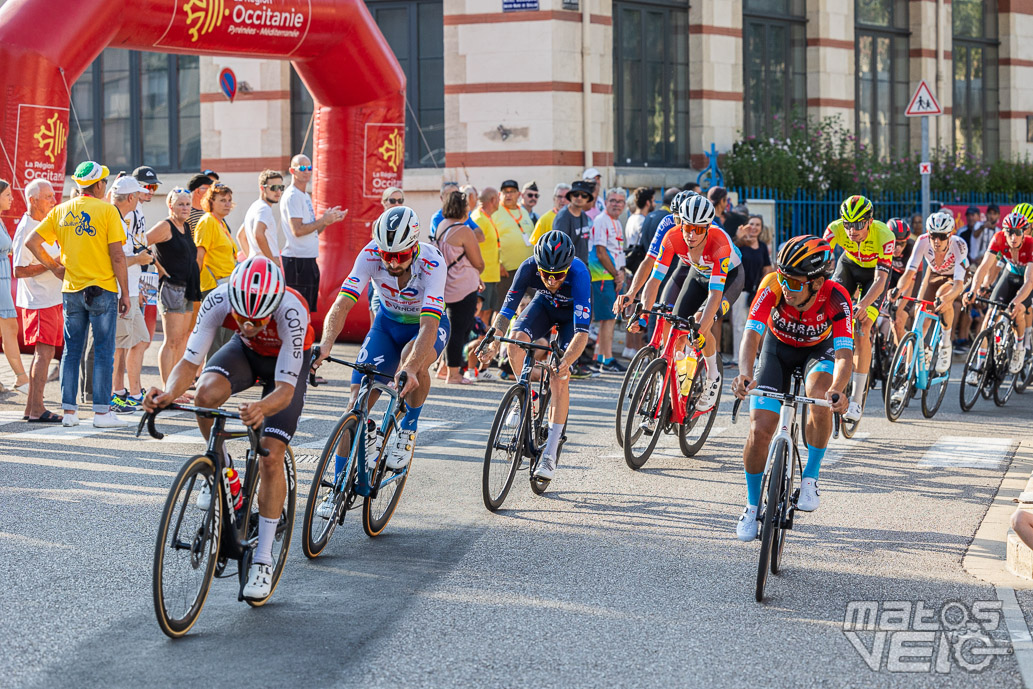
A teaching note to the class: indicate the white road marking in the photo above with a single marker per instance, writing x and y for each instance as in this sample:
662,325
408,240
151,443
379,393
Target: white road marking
1021,641
958,451
839,448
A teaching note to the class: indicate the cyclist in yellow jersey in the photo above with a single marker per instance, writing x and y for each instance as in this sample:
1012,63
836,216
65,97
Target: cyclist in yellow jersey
864,266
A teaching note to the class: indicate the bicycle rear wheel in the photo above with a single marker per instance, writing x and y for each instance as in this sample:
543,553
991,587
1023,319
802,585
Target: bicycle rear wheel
771,512
932,396
977,368
650,409
284,527
1004,382
1025,377
504,451
635,370
187,548
316,531
693,433
900,381
377,511
848,428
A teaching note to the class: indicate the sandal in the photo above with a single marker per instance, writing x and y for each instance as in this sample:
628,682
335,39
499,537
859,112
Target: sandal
46,417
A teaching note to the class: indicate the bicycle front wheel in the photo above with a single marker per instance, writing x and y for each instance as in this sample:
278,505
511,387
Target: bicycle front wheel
772,512
650,409
1004,382
505,449
377,511
284,526
187,548
631,377
900,382
977,368
932,396
1025,377
316,531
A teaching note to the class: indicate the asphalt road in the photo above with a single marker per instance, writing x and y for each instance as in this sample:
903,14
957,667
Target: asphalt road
613,577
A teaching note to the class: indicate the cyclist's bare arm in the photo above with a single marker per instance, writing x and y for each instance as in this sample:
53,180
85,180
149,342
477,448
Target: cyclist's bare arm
574,349
982,272
905,283
841,373
1027,286
333,324
421,355
743,383
641,275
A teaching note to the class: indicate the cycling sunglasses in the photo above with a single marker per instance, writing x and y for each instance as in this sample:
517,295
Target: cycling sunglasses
275,187
1014,232
151,187
941,236
695,229
858,225
251,322
397,256
304,168
792,284
552,274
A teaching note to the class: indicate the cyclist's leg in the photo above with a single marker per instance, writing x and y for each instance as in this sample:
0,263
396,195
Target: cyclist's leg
1005,289
820,366
230,370
859,280
417,397
383,347
559,387
691,296
532,323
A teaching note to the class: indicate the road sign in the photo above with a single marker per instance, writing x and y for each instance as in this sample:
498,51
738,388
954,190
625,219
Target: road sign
925,168
923,102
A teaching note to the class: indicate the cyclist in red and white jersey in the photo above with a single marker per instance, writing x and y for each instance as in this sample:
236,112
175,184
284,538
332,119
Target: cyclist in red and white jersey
272,346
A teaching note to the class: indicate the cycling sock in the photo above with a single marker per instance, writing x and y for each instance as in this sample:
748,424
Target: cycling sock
266,535
860,381
339,464
1027,337
813,466
411,417
753,482
713,372
552,445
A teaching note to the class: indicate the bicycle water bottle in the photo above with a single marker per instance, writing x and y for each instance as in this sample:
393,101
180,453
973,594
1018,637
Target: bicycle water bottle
691,363
236,497
681,366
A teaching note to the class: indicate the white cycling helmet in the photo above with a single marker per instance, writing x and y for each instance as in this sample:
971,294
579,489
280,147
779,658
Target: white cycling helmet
697,210
256,288
940,222
397,229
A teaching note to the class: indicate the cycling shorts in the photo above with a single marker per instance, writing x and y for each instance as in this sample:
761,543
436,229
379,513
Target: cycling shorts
387,338
932,285
856,278
538,318
673,281
1008,285
242,366
777,361
696,290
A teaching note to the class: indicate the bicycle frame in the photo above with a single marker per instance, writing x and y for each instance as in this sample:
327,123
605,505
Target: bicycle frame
920,369
530,363
695,355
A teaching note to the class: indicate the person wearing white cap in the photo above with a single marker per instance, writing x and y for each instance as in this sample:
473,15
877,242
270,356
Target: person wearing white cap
595,177
131,335
95,287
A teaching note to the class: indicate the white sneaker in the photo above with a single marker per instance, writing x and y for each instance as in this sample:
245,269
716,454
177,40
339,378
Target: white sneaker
70,419
259,581
109,420
943,358
546,468
808,499
399,452
709,396
470,374
746,529
853,412
326,508
204,496
1018,356
897,397
629,353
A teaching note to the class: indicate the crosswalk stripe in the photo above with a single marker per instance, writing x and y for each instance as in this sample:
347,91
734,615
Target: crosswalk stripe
967,452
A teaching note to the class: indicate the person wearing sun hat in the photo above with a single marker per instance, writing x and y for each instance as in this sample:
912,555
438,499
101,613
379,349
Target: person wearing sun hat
95,285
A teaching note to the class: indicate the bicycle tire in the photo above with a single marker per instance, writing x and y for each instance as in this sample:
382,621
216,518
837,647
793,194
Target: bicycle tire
651,391
506,470
901,375
377,511
770,524
929,408
313,544
787,490
204,543
690,448
1004,382
641,360
849,428
1025,378
284,529
978,361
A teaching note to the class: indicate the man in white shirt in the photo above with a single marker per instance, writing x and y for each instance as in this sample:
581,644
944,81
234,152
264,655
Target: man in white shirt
261,235
148,179
38,298
301,231
606,264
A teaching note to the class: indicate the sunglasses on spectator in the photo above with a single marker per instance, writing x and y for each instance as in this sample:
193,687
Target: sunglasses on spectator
394,201
939,236
552,274
579,195
274,187
180,190
151,187
859,225
397,256
304,168
250,322
695,229
792,284
531,194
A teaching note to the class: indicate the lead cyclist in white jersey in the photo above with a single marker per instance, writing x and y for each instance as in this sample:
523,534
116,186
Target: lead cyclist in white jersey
411,326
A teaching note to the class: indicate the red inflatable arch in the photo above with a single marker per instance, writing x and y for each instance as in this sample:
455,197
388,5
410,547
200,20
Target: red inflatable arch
336,47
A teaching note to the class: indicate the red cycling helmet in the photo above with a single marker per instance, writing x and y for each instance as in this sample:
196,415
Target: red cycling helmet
256,288
1015,222
900,229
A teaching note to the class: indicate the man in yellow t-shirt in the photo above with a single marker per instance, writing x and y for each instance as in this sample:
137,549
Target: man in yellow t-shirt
95,286
559,201
515,230
489,203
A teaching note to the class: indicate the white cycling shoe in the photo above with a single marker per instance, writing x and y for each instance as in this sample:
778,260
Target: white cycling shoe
746,529
853,412
546,468
808,499
399,452
325,510
204,497
1018,357
943,358
709,396
259,581
972,378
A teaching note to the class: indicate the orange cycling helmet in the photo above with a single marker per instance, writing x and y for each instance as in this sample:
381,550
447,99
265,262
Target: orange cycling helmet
805,257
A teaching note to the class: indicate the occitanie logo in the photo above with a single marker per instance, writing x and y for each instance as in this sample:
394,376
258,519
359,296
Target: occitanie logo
51,137
203,16
393,150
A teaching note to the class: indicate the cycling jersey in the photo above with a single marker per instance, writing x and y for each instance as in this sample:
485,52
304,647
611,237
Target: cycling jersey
875,251
290,317
954,262
1016,260
831,314
423,295
900,264
719,256
658,238
575,293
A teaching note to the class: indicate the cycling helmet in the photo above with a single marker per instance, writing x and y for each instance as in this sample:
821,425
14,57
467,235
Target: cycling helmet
697,210
805,256
676,202
900,229
554,251
1015,221
397,229
940,222
256,288
855,209
1025,210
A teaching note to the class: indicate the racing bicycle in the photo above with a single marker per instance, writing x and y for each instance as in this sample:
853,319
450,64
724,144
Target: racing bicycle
986,365
636,368
911,369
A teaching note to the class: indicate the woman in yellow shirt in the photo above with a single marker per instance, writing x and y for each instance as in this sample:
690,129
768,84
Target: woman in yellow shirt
216,252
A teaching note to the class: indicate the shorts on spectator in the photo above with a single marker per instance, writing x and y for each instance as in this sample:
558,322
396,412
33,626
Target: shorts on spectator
488,295
172,299
43,326
131,330
604,294
302,275
501,290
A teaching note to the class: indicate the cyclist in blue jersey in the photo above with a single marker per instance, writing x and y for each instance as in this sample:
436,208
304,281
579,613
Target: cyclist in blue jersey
562,286
409,278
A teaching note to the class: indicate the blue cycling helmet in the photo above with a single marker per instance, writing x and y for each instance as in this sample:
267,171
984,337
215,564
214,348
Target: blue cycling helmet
554,251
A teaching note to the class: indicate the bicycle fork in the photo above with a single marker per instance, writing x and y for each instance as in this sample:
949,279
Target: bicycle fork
786,419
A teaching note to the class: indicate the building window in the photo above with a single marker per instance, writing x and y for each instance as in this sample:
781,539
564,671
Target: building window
651,76
774,64
975,107
137,109
301,116
882,80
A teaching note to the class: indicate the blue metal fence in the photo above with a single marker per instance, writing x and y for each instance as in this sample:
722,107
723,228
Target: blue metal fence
808,214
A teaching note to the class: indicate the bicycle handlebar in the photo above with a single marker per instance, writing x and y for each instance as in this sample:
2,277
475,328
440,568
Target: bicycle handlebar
491,337
783,397
206,412
993,302
365,369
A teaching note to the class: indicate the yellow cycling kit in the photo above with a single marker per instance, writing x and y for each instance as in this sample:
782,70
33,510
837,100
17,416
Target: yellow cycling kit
876,249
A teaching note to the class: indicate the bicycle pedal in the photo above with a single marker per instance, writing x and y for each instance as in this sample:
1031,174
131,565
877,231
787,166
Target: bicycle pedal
787,522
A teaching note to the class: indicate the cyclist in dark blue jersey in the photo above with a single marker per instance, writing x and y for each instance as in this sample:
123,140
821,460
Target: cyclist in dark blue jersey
562,287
